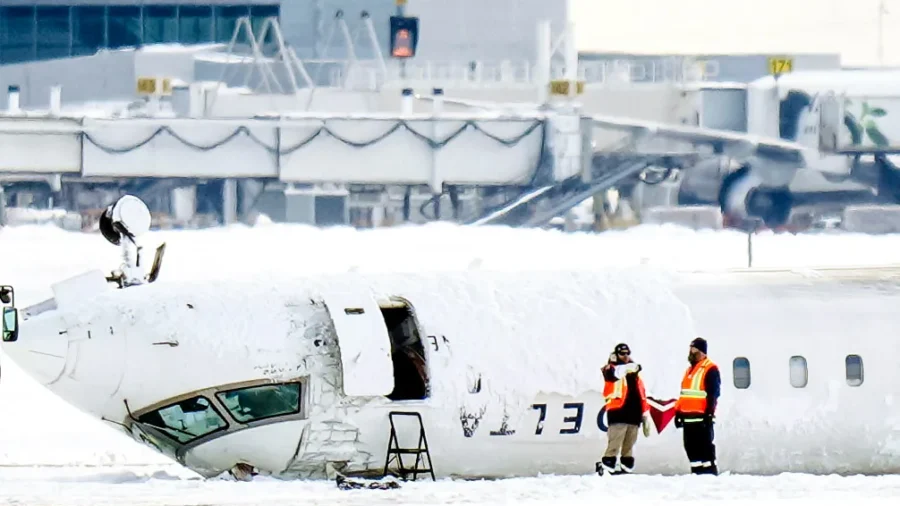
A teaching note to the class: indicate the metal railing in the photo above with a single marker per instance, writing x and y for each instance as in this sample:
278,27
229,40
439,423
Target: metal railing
371,74
376,72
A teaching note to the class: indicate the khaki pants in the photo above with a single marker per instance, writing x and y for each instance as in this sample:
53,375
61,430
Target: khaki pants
622,436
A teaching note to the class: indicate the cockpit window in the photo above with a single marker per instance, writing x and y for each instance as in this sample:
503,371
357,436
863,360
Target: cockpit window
186,420
264,401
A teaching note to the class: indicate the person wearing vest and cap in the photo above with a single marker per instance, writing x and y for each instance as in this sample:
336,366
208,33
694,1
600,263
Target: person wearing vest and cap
695,409
626,411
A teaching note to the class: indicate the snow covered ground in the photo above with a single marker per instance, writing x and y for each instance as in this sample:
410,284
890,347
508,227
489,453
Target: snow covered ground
51,453
119,487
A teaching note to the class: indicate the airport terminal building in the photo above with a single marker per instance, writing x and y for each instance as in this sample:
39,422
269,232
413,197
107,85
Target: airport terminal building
60,28
466,30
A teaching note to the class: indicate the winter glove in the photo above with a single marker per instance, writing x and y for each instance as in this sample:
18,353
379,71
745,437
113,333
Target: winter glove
679,422
622,370
645,425
709,418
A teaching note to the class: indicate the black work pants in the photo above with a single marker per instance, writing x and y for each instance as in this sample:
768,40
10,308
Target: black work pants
700,448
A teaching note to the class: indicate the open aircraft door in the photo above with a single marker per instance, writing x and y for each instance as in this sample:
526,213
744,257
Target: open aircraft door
364,342
831,123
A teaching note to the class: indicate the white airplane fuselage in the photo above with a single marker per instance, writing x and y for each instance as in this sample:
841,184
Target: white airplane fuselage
512,363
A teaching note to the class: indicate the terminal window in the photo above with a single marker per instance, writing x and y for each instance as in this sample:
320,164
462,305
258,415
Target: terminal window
30,33
195,24
160,24
52,32
123,26
88,30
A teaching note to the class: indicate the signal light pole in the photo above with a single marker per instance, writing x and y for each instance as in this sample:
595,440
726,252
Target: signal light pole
401,12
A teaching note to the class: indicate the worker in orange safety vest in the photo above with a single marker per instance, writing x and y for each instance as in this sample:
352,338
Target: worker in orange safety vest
626,411
695,409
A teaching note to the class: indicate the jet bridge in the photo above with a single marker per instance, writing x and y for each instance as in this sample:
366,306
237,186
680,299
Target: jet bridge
626,159
440,150
536,206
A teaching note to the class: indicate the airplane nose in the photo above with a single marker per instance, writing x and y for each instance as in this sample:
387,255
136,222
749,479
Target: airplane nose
83,364
41,348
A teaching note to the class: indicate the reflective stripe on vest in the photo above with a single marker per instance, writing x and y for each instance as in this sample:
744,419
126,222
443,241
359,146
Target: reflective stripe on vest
693,396
614,393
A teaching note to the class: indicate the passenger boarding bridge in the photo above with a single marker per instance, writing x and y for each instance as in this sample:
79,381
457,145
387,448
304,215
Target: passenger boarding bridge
545,154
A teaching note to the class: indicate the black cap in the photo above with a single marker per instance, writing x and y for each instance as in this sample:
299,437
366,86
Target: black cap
622,347
699,343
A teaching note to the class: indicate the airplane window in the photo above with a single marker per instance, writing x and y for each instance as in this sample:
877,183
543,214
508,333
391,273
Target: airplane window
264,401
854,367
186,420
741,367
798,372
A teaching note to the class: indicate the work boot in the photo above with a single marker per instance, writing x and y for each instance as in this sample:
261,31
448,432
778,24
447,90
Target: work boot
705,469
606,465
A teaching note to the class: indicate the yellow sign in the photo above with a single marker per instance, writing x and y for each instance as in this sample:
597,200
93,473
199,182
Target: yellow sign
154,86
146,85
561,87
780,65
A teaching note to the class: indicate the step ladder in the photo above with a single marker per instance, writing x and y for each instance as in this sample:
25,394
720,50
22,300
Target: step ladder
395,453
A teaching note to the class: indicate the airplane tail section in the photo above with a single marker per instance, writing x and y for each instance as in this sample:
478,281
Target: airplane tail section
661,412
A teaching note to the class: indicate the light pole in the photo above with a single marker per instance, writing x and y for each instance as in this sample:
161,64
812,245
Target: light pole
882,10
401,11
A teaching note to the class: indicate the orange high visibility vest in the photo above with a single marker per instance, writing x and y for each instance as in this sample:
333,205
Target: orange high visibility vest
693,395
615,393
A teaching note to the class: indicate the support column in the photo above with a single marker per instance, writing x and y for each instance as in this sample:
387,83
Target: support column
600,210
407,202
587,149
183,204
2,207
250,191
229,201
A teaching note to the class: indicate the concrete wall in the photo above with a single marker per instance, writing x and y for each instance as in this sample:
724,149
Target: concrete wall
465,30
105,76
461,30
307,24
108,74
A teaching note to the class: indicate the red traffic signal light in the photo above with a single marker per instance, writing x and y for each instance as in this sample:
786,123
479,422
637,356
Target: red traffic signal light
404,36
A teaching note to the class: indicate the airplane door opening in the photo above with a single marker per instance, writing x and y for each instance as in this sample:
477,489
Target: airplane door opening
407,352
364,343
